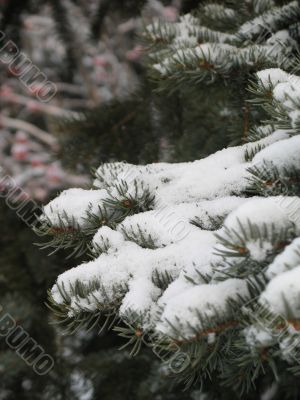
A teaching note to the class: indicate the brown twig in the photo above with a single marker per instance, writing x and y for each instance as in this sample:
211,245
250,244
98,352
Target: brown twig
246,122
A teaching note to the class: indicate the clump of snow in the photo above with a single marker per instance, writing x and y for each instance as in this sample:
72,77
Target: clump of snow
111,239
282,294
106,173
74,204
258,250
264,213
285,91
281,38
140,299
284,155
272,76
187,182
288,259
181,311
271,137
257,226
147,225
258,336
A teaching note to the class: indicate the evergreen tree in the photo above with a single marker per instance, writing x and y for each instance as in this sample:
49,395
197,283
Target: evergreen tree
199,261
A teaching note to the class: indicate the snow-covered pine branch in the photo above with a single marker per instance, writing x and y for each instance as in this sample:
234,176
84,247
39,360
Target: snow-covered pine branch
198,48
186,255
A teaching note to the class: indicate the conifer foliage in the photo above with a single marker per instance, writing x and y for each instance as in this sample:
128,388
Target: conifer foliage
200,261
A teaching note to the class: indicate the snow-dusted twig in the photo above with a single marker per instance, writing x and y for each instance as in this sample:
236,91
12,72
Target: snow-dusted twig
38,133
37,106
